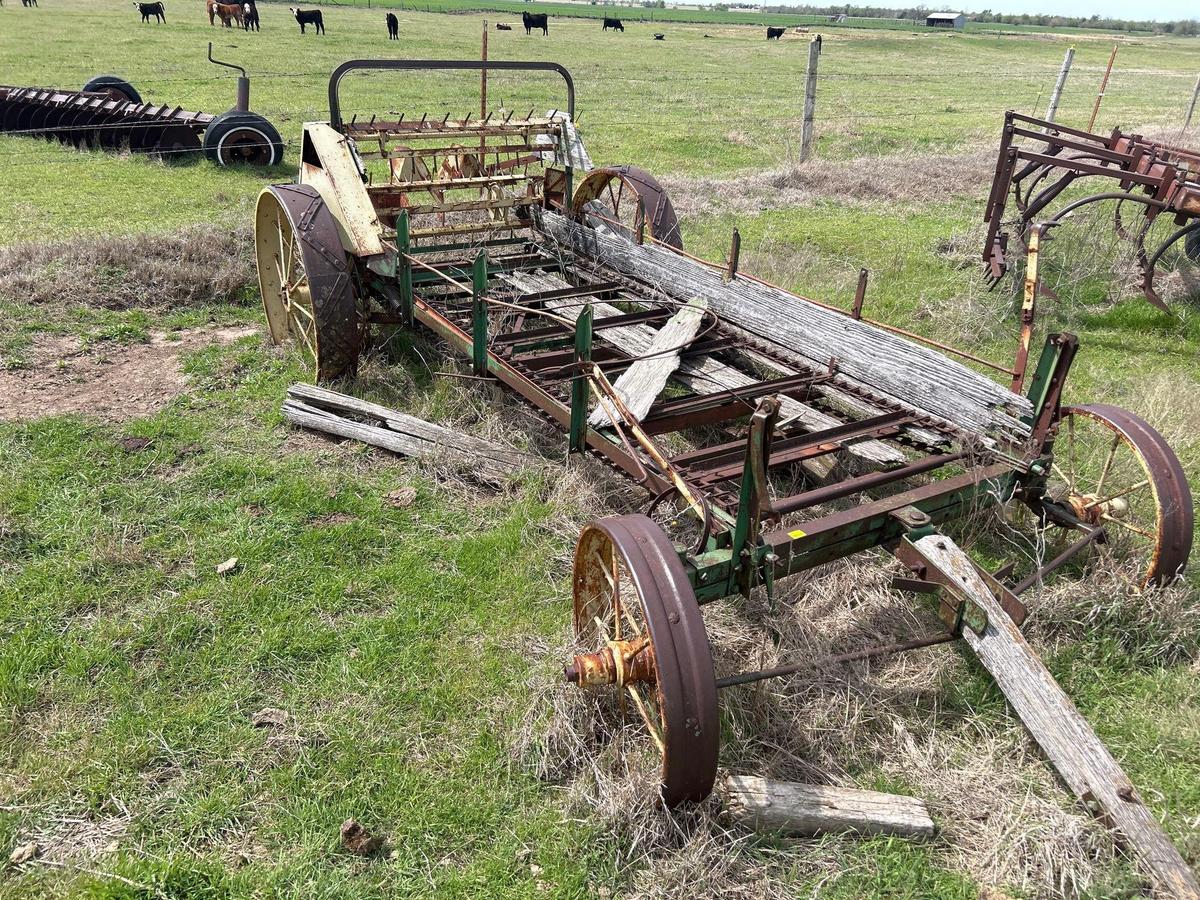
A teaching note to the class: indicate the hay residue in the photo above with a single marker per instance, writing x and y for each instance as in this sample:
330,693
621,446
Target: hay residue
191,267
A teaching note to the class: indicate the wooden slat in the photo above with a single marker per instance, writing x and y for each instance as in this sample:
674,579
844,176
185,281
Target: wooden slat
1074,749
809,809
448,184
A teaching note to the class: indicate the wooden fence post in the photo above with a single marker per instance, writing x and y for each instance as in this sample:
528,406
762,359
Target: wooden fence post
1187,123
810,98
1058,85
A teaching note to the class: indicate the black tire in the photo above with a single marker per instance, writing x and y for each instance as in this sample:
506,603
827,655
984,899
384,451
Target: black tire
242,138
1191,246
117,88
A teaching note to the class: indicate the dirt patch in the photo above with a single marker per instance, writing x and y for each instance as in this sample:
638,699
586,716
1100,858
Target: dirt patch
190,267
109,382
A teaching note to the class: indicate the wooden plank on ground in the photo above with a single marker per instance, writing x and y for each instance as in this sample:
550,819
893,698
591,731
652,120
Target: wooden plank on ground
1077,753
320,409
809,809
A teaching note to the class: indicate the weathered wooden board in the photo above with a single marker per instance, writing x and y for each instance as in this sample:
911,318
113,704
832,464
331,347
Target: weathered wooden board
640,384
809,809
909,373
324,410
1076,752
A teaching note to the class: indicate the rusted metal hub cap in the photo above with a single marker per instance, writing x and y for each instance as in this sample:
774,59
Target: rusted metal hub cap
634,603
1114,470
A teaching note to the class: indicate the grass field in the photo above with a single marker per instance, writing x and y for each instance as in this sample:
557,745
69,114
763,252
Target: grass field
408,644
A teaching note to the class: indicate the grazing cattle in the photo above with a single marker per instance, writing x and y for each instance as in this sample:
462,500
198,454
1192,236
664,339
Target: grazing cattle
393,25
250,16
29,2
613,23
227,12
308,17
536,20
152,9
500,26
659,36
774,34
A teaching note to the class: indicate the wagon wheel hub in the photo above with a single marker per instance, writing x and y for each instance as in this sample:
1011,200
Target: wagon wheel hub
619,663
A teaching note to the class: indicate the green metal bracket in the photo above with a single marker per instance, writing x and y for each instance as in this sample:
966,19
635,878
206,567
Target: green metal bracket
580,385
754,497
479,315
406,280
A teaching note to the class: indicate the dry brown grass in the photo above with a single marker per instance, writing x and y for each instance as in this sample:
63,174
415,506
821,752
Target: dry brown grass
191,267
903,179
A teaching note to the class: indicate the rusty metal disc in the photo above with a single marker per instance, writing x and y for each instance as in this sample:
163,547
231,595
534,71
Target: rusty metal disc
305,278
1112,469
609,196
629,585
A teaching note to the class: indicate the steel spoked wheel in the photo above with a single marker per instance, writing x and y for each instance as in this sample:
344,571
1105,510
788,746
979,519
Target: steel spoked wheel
633,603
305,279
621,197
1112,469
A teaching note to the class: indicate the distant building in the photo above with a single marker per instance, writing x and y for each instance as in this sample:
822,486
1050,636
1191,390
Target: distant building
946,20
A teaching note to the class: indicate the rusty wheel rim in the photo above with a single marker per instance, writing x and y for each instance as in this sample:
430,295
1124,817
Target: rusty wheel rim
609,197
1112,469
632,598
307,292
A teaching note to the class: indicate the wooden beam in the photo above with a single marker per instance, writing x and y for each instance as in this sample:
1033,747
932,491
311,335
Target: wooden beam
809,809
323,410
640,384
1074,749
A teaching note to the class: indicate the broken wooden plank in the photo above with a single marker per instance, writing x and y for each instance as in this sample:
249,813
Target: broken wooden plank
324,410
640,384
901,370
1074,749
706,375
810,809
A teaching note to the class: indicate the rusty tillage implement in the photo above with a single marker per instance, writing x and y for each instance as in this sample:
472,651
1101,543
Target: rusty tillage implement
773,434
1040,161
108,113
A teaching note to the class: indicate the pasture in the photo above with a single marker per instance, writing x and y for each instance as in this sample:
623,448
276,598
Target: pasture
412,638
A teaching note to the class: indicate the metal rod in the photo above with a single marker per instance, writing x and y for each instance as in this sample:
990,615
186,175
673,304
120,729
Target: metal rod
1187,122
860,294
814,664
1058,561
1103,87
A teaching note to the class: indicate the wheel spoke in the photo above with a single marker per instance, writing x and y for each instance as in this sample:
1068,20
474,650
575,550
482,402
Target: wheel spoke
1147,535
1145,482
1112,452
651,725
1071,450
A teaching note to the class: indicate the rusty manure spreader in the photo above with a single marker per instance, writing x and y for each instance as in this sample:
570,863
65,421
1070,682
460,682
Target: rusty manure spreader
771,433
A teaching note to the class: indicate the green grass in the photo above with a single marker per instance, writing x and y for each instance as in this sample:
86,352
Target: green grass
129,670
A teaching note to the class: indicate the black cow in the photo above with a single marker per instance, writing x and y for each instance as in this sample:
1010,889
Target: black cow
250,16
536,20
500,26
308,17
29,2
774,34
393,25
659,36
613,23
152,9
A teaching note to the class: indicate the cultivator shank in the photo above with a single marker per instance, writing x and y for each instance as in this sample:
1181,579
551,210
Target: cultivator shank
1039,161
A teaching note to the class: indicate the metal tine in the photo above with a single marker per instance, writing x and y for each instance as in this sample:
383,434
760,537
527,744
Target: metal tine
445,119
508,118
354,118
424,116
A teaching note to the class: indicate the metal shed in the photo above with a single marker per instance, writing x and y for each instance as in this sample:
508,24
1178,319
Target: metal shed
946,20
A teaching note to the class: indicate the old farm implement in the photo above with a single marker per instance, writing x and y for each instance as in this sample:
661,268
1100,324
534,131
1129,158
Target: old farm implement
1039,163
771,433
108,113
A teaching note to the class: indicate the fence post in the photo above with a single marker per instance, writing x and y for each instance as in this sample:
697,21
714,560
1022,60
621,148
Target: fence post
1058,85
810,98
1187,123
